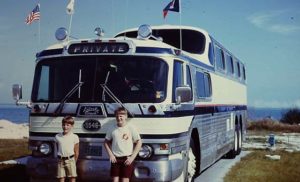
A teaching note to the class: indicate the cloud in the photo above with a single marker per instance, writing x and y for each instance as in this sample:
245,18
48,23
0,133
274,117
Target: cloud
275,21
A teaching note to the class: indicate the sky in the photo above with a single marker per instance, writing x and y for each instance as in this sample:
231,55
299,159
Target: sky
265,35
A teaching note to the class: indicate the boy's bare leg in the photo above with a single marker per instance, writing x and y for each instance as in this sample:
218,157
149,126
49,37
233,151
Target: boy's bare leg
61,179
125,179
115,179
72,179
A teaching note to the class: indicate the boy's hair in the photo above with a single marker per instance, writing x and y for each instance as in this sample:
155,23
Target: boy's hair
121,110
68,119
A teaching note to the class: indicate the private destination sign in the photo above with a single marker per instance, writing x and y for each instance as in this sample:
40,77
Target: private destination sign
99,47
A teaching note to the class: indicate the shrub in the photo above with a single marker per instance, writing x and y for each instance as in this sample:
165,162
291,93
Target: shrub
270,125
292,116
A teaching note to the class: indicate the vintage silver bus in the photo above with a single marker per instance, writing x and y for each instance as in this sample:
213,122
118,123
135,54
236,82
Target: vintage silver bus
184,91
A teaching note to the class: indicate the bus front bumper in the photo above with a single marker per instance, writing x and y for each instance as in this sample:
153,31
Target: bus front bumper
99,170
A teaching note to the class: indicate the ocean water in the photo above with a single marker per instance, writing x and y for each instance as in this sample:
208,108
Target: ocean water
13,113
261,113
20,114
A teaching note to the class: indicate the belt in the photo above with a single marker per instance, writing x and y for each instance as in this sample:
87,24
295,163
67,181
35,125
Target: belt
65,158
123,157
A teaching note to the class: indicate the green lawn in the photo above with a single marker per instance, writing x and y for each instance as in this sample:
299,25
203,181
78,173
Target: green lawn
255,167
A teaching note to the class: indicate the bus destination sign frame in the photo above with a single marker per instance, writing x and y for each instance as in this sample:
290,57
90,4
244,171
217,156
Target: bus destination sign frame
98,47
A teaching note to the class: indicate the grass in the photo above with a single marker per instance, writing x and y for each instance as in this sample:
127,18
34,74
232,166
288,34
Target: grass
12,149
256,167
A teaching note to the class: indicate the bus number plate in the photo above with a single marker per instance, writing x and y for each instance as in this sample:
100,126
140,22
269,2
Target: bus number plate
93,150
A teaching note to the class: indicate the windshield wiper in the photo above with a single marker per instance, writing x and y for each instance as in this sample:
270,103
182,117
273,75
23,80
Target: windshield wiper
64,100
114,97
110,93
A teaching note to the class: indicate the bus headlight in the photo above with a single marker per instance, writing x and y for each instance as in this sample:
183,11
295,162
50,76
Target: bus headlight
144,32
145,152
61,34
45,148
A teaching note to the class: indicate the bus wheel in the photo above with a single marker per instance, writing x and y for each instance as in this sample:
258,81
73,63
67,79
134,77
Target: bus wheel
191,166
239,146
232,153
191,163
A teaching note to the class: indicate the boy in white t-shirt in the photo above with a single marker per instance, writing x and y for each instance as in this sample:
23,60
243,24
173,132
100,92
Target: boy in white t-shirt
122,143
68,151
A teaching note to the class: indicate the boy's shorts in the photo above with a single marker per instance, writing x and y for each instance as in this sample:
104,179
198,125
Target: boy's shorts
66,168
120,169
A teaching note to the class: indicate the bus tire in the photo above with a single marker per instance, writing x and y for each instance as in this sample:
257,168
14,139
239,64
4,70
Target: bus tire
239,147
192,168
232,153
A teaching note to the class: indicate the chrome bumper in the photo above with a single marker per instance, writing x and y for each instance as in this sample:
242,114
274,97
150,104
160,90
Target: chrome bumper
99,170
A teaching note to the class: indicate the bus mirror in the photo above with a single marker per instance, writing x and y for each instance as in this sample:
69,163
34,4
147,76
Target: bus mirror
183,94
17,91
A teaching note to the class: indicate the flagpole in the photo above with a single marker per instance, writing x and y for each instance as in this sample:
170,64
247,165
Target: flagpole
180,24
126,14
39,27
113,16
70,11
70,26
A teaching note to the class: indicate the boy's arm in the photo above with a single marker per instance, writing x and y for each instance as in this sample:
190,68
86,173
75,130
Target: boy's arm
76,151
107,145
137,148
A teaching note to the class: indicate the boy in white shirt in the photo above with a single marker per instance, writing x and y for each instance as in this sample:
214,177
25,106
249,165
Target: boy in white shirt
68,151
122,143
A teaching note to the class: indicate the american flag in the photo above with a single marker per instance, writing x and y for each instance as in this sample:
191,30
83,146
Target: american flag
172,6
33,15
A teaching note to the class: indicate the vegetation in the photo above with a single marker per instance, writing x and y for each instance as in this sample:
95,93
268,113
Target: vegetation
12,149
256,167
271,125
292,116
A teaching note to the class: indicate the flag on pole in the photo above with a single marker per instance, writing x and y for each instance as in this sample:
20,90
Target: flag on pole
33,15
70,7
172,6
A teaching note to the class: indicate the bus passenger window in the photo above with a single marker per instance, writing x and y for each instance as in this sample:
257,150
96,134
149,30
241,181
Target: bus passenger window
244,73
203,85
229,64
220,60
238,69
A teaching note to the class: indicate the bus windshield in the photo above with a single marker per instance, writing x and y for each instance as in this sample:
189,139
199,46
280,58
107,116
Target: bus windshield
132,79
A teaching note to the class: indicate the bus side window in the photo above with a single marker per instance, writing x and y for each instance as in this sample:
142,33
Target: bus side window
188,78
238,69
244,73
220,60
229,64
211,54
177,77
203,85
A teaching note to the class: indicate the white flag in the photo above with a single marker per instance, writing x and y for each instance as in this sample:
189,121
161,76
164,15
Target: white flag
70,7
